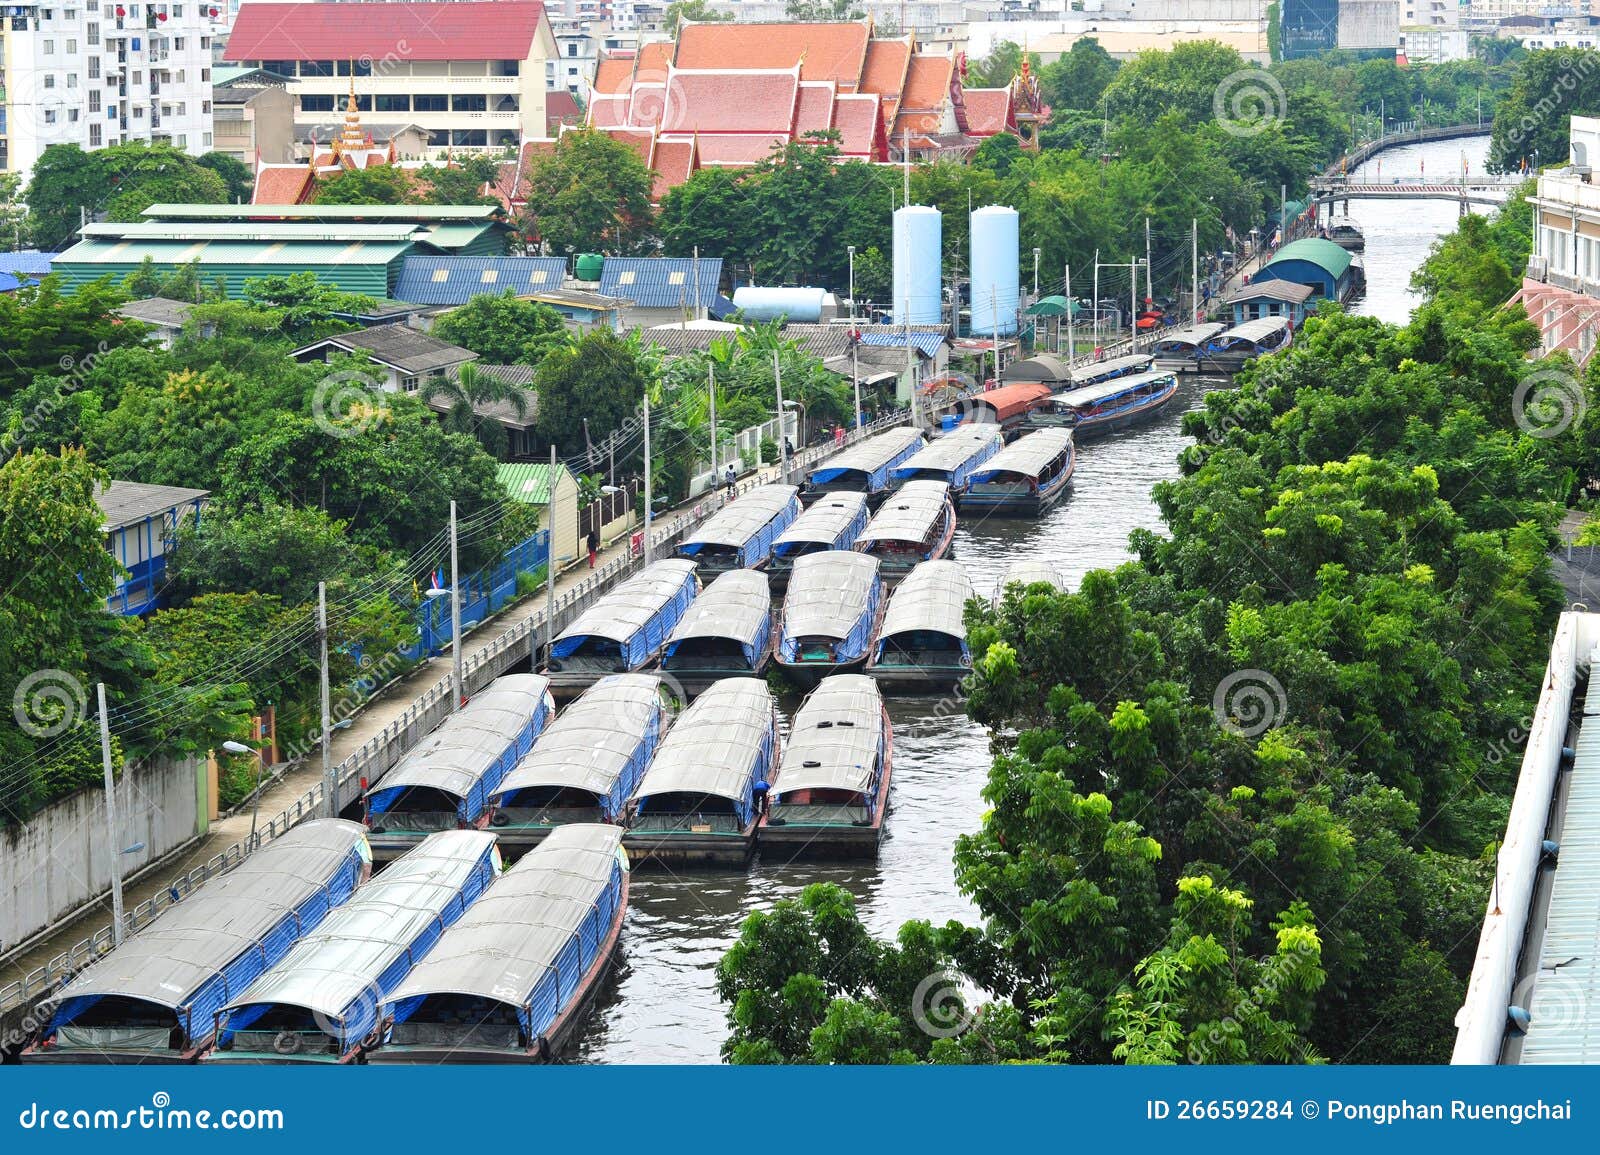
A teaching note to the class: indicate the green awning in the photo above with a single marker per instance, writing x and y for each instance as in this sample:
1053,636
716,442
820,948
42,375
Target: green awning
1052,307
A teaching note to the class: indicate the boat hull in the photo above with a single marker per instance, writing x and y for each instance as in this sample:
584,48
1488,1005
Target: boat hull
517,840
914,680
808,674
567,685
650,849
1100,426
791,841
87,1058
1016,504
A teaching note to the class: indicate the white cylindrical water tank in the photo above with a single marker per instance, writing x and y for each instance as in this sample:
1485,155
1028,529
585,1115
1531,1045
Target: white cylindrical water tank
996,287
798,304
918,235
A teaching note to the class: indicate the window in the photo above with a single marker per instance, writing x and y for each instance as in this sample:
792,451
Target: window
72,47
49,48
675,278
312,102
205,107
49,80
49,116
94,136
625,277
94,68
91,34
138,78
430,102
383,103
205,73
177,11
94,100
72,80
205,140
469,102
177,44
572,49
138,112
440,276
205,42
490,276
182,141
409,384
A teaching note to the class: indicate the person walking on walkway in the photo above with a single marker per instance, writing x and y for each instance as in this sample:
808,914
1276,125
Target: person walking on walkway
594,545
730,479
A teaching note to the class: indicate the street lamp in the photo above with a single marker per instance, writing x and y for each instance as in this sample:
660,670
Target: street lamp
261,765
1036,275
851,249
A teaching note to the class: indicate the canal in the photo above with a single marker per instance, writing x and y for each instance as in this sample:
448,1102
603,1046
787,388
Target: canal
661,1006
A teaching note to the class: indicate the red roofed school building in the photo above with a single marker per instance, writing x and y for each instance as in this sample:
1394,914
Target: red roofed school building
728,94
469,74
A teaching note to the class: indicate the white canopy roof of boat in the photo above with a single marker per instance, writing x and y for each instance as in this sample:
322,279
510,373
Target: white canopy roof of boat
933,597
590,742
909,513
873,453
1196,335
951,449
193,940
1255,330
826,519
733,606
735,524
626,610
1028,454
470,741
828,593
834,740
1089,394
1030,571
333,966
1114,365
506,941
714,743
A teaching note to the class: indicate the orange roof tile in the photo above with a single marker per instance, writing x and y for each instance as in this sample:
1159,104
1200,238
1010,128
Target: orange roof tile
608,111
613,75
649,102
814,111
859,126
641,140
709,102
675,162
887,61
282,184
835,52
927,83
654,60
738,148
988,110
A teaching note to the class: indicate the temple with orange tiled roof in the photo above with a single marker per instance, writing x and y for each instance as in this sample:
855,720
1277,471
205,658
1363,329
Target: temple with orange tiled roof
730,94
353,148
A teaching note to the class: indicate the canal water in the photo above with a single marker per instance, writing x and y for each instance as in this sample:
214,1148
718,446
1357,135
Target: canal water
661,1006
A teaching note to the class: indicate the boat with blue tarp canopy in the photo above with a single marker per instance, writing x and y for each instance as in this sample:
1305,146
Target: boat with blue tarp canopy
155,998
1229,351
697,803
741,533
446,781
831,793
586,764
923,642
511,981
864,467
624,630
1110,405
726,633
1109,370
833,521
951,457
1181,350
917,525
320,1003
830,615
1025,478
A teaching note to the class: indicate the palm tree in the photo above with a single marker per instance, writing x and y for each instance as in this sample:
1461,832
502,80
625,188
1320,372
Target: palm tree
470,391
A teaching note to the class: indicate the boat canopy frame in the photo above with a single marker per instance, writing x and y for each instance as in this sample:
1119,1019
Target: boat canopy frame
737,605
1027,456
718,747
638,615
748,525
832,595
933,598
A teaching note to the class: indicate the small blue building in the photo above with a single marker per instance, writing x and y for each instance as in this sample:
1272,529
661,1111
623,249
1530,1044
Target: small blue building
1312,261
1272,299
141,527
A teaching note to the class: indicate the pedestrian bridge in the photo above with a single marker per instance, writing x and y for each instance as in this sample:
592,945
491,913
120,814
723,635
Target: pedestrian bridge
1479,190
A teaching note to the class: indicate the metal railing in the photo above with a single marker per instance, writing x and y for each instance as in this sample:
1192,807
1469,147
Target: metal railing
385,748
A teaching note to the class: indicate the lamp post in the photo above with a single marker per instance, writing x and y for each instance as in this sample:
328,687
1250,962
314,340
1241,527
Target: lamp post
261,765
1036,274
851,249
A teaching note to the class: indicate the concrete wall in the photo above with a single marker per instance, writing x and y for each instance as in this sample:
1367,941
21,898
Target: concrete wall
61,858
1369,24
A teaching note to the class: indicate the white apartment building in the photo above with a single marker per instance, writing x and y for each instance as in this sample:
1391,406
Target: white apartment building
1561,288
470,73
103,73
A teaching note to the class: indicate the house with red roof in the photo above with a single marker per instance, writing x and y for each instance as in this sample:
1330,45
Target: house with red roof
730,94
469,73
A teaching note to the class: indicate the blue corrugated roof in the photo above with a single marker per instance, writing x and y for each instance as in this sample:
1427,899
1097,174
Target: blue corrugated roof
24,268
456,280
926,343
662,282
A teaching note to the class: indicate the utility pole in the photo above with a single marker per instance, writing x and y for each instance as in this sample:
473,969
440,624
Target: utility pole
1149,294
697,279
1194,270
711,386
550,568
1071,351
115,845
855,374
994,319
611,458
1036,275
1133,304
330,786
455,614
648,553
1094,306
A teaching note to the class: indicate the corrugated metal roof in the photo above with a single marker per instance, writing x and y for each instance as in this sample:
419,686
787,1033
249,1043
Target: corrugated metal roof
1326,255
835,739
735,605
255,213
503,30
529,482
925,343
591,741
933,597
736,524
426,280
908,515
297,253
1090,394
825,520
662,282
263,231
1028,454
624,611
715,744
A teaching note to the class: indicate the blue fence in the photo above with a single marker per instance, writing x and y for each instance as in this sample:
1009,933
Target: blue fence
482,593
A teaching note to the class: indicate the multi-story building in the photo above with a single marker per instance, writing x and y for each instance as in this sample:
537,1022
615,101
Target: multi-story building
97,74
469,72
1561,290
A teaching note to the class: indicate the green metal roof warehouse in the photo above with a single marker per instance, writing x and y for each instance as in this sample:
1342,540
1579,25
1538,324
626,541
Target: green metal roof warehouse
357,248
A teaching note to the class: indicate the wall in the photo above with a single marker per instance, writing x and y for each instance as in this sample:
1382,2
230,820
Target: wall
61,858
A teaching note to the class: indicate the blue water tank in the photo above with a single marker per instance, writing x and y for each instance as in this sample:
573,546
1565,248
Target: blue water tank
918,237
801,305
996,284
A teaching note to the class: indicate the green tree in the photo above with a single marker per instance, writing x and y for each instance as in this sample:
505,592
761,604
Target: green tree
1184,81
1079,77
599,377
49,332
1000,67
823,11
589,194
278,550
470,390
237,177
502,329
13,213
380,184
696,10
